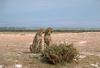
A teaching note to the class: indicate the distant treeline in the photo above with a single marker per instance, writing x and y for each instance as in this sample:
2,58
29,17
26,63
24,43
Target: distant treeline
24,29
17,29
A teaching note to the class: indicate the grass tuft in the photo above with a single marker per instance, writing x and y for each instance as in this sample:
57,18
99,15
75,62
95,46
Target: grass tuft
60,53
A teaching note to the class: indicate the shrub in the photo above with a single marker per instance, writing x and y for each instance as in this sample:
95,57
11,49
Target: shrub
60,53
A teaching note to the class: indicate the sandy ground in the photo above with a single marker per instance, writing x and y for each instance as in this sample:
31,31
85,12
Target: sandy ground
14,44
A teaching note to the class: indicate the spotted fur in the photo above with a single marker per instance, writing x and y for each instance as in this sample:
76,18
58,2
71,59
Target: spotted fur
36,46
47,36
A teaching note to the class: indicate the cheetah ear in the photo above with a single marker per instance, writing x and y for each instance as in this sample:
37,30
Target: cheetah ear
42,30
52,30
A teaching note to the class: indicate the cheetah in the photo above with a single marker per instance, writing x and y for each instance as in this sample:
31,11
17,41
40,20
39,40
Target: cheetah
36,46
47,36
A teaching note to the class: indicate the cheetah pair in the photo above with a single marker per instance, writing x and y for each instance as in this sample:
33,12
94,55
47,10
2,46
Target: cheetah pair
37,46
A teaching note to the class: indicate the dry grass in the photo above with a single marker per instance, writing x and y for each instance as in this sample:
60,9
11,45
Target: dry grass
60,53
11,43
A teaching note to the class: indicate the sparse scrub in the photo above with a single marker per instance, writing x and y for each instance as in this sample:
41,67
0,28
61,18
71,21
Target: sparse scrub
60,53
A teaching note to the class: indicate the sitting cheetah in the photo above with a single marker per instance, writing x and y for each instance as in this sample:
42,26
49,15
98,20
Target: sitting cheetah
36,46
47,36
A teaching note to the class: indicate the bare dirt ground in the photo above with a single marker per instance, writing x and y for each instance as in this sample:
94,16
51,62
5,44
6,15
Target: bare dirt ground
14,49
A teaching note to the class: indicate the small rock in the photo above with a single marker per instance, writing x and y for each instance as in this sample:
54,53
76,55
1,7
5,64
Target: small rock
95,65
1,66
18,66
81,57
35,55
83,42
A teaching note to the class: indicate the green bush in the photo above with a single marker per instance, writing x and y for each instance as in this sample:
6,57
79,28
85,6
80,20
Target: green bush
60,53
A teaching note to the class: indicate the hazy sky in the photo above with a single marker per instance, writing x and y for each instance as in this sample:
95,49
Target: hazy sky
56,13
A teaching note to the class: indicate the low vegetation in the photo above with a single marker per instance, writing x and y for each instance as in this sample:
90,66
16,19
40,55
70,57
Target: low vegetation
60,53
25,29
